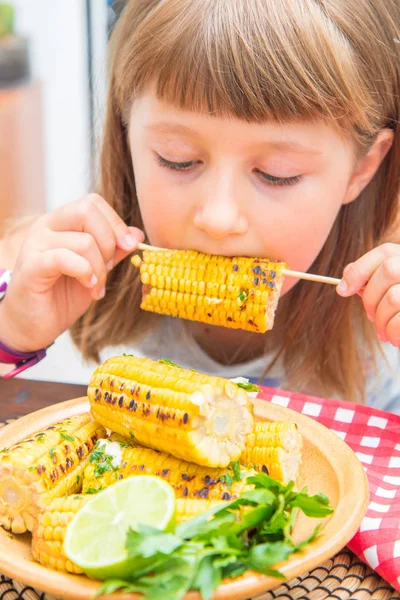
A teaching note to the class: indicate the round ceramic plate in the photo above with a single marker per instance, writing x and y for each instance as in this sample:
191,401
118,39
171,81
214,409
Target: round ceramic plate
329,466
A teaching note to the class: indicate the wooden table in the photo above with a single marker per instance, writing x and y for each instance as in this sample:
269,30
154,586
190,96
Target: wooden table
19,397
343,577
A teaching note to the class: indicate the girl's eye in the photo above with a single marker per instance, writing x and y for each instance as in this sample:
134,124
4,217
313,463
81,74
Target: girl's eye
175,166
278,181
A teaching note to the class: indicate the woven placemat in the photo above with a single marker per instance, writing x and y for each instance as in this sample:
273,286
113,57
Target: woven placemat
343,577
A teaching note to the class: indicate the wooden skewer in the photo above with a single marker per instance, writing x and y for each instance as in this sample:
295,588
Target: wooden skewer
311,277
286,272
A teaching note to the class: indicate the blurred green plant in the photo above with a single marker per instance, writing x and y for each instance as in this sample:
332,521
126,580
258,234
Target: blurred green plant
6,19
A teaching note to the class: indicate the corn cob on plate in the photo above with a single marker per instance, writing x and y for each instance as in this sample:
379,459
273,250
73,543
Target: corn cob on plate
46,465
274,448
188,479
328,464
194,417
236,292
51,525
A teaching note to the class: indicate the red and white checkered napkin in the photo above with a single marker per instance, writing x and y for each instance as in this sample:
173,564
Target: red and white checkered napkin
374,435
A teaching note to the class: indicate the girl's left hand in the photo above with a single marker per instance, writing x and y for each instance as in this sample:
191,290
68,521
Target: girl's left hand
378,272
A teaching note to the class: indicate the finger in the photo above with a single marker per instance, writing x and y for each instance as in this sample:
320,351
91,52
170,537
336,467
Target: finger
121,254
85,245
127,237
80,215
345,270
360,271
385,276
49,266
393,330
85,216
388,307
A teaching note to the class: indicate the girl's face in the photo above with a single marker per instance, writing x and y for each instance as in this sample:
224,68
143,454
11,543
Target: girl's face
225,186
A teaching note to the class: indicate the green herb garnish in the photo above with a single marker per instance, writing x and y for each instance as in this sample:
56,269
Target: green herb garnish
66,437
221,542
101,460
228,479
51,452
236,470
248,386
102,467
40,438
97,453
165,361
32,468
243,297
124,444
93,490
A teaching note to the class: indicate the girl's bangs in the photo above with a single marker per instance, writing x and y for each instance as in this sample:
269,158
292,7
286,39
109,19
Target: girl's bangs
255,62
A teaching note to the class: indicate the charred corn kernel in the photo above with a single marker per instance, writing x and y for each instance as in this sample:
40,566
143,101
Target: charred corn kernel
186,508
192,416
187,479
253,283
275,449
47,465
49,532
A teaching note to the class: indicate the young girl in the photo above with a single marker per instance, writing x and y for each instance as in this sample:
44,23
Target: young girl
249,128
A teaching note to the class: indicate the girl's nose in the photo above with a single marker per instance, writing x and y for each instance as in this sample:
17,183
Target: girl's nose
220,214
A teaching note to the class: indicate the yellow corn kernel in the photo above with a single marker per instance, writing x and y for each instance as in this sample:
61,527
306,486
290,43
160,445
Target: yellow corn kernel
238,283
179,411
188,479
47,465
49,532
274,448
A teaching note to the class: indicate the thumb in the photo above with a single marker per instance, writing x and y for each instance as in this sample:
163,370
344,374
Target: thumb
135,237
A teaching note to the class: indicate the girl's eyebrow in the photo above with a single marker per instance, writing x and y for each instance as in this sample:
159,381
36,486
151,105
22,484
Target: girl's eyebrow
165,128
278,145
293,147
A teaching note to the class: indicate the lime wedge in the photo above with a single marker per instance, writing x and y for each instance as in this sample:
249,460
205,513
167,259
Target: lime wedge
95,538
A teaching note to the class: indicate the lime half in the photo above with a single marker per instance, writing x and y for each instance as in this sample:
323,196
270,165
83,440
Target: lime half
95,538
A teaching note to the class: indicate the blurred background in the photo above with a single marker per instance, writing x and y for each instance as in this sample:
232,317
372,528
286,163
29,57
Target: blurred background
52,96
52,86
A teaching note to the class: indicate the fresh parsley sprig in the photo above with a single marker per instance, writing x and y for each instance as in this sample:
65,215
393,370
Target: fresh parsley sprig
101,460
251,532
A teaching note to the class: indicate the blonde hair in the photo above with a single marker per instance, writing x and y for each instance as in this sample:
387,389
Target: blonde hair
335,60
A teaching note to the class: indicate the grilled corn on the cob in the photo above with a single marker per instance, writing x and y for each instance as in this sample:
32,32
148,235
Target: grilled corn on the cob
194,417
47,465
52,522
49,532
186,508
275,448
187,479
236,292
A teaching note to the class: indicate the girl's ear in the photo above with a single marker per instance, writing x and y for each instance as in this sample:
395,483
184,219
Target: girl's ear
366,167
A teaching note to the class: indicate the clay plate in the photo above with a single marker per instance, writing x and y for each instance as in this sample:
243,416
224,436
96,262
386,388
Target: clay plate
329,466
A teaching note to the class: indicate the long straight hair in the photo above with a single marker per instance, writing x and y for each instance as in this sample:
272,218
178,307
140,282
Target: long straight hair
331,60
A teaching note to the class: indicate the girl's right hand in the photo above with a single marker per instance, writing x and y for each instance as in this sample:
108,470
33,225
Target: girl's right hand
61,268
